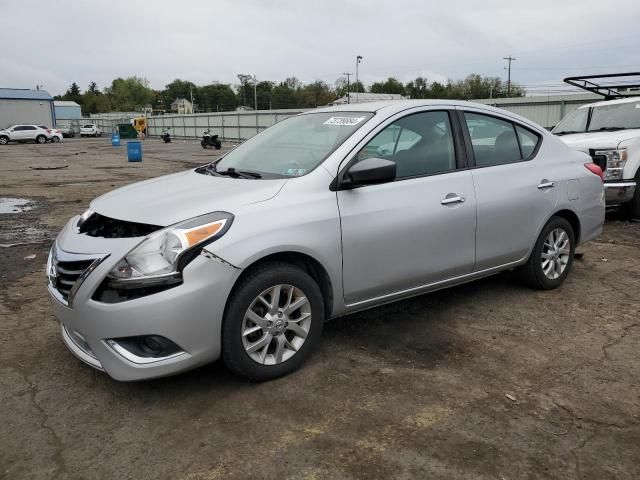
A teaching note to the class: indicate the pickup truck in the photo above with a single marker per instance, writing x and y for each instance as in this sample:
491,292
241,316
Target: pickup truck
90,130
609,131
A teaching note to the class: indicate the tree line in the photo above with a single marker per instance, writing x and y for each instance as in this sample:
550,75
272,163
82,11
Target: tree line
135,94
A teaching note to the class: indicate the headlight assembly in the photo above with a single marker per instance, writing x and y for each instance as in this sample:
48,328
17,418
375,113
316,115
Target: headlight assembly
616,160
160,258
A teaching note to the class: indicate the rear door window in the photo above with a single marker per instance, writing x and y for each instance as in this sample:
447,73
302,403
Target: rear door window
496,141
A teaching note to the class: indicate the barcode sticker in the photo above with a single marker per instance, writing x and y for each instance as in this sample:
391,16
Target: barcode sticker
344,121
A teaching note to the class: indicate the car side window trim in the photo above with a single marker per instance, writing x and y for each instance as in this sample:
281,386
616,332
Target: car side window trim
469,145
457,142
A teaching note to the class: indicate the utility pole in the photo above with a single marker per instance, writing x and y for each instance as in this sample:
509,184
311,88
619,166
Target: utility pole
244,78
358,60
509,59
191,93
348,74
255,92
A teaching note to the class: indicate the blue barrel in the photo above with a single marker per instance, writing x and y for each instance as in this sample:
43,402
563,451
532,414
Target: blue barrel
134,151
115,139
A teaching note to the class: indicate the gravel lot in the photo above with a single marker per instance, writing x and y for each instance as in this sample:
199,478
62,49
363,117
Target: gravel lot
489,380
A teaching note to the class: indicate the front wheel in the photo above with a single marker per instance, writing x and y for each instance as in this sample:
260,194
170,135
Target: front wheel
203,143
55,140
4,140
272,323
552,256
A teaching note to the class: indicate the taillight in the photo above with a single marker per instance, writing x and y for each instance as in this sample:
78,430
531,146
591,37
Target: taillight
595,169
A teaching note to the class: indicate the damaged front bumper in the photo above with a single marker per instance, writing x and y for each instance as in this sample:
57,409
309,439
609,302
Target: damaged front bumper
185,320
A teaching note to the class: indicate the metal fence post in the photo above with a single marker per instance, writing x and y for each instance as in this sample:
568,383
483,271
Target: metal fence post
222,123
238,126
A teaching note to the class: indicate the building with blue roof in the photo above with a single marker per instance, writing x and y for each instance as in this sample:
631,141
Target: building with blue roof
22,105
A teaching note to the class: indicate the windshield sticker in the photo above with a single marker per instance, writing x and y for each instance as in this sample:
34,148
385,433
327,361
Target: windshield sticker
344,121
295,172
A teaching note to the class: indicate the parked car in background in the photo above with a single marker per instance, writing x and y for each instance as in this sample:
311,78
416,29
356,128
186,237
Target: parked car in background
90,130
66,130
609,131
56,135
246,257
25,133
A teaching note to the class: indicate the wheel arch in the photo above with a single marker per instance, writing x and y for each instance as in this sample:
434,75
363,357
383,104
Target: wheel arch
573,219
303,261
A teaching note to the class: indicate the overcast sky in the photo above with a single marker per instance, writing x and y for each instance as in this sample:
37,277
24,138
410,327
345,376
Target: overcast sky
56,43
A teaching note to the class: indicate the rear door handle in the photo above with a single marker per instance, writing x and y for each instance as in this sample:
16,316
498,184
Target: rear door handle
452,199
546,184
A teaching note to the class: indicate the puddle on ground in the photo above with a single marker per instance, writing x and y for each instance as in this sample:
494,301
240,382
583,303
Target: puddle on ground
15,205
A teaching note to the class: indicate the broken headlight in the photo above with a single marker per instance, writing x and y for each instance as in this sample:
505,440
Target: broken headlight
160,258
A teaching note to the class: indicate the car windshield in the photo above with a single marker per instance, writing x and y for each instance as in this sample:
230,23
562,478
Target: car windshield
616,116
295,146
575,122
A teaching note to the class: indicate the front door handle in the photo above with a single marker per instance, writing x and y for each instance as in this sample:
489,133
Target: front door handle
452,198
546,184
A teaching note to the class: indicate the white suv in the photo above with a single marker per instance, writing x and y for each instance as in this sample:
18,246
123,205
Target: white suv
25,133
90,130
609,131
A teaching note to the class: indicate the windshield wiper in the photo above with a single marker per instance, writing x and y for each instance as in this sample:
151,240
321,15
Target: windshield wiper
610,129
567,132
232,172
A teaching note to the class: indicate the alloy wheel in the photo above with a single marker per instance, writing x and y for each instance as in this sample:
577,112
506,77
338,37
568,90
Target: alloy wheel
276,324
555,253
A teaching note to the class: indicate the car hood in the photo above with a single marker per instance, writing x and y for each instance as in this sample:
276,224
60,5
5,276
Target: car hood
598,140
170,199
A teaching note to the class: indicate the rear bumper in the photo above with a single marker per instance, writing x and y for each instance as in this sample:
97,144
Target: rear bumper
617,193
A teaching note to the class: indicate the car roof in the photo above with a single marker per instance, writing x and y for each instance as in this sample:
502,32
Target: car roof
617,101
391,107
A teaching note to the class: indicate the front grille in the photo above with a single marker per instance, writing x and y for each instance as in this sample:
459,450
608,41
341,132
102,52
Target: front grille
67,274
68,270
600,160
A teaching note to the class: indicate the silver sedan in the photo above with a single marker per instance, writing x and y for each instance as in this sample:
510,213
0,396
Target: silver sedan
323,214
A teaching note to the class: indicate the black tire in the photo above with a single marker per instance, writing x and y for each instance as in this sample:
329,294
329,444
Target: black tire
4,140
41,139
218,145
55,140
203,143
244,293
532,272
632,208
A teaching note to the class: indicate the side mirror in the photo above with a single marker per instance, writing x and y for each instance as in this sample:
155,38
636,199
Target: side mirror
369,172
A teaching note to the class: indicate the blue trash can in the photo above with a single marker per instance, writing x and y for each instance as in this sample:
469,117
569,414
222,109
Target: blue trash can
115,140
134,151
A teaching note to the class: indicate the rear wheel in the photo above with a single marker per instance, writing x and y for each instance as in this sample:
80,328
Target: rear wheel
41,139
272,323
552,256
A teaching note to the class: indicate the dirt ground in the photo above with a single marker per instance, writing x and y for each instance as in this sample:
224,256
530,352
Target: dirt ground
489,380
